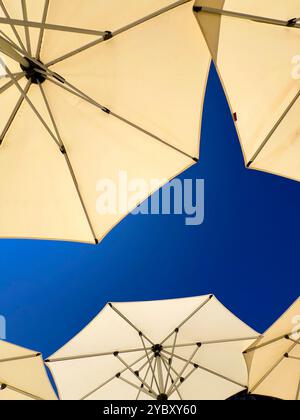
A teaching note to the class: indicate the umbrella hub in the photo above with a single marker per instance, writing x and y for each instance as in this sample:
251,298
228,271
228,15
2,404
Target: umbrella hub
157,349
162,397
32,73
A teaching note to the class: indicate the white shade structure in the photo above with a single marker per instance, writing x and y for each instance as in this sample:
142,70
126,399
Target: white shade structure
113,86
255,46
274,360
182,349
23,375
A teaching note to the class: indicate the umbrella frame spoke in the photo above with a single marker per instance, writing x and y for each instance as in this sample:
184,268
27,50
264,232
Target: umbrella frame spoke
187,364
145,384
113,377
188,318
78,93
36,112
166,362
42,30
141,388
208,370
11,83
282,358
17,35
14,114
259,19
109,35
171,360
48,26
146,375
27,33
70,167
274,129
275,340
129,322
150,364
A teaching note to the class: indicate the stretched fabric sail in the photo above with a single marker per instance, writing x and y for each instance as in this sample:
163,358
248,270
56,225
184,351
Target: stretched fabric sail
255,46
115,87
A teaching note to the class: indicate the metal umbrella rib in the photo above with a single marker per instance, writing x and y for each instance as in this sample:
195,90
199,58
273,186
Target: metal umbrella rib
17,35
120,31
260,19
42,30
75,91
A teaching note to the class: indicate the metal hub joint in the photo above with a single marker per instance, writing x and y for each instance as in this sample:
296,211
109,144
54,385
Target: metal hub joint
31,72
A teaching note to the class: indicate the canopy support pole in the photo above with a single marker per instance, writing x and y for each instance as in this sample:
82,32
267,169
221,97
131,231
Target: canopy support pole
259,19
165,363
150,364
171,360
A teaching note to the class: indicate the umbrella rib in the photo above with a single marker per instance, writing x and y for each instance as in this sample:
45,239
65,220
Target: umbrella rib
189,318
171,360
187,364
129,322
209,371
8,48
108,35
73,90
26,394
298,392
134,373
145,348
294,358
112,378
27,33
14,114
274,129
42,31
260,19
146,375
91,356
271,370
70,167
206,343
32,107
12,26
136,386
14,359
164,360
286,336
49,26
183,380
11,83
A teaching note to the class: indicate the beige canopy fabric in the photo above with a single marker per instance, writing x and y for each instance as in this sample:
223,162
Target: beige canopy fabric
274,360
23,375
255,46
124,90
182,349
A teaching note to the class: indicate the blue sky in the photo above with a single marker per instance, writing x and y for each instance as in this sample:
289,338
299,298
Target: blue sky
246,252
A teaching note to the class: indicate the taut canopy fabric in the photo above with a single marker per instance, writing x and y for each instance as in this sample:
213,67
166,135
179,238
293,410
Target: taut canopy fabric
255,46
274,360
23,375
184,349
124,90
